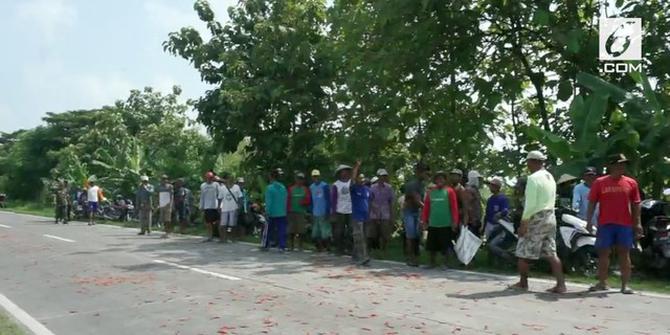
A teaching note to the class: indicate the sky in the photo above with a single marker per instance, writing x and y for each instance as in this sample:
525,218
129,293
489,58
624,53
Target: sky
60,55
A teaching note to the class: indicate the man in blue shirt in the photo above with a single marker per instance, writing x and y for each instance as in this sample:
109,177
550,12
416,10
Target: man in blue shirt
580,194
360,197
497,206
321,229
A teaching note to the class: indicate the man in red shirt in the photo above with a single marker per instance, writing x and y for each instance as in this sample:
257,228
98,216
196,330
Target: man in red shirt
619,220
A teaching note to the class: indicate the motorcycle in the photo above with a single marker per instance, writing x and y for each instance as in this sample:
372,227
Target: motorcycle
501,243
575,244
656,227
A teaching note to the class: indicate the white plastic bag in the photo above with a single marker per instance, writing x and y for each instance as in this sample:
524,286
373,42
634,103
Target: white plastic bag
467,245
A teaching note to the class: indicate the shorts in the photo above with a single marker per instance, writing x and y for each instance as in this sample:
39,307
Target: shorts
211,215
165,214
540,240
229,218
92,207
410,221
440,239
321,228
183,213
296,223
376,229
612,234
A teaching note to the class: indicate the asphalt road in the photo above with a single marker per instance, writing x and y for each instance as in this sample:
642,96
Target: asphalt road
76,279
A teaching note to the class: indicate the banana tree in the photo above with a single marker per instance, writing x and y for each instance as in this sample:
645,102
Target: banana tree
607,119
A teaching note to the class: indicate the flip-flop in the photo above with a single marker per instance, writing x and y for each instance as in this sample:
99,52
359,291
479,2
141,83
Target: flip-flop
598,288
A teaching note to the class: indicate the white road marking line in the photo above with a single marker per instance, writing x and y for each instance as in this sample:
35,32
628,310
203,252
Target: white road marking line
23,317
3,226
209,273
59,238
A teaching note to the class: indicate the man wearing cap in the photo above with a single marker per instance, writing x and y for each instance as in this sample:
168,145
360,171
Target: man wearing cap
382,199
537,231
321,229
619,221
210,194
497,206
276,200
229,205
580,194
474,202
143,201
165,203
341,208
299,199
414,190
183,199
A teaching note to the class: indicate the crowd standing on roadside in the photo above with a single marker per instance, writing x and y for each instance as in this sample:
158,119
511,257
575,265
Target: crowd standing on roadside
355,215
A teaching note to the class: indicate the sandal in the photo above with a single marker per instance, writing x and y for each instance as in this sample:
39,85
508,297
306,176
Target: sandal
599,288
627,290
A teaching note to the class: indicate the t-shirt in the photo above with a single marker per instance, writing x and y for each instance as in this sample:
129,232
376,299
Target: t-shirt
299,199
342,197
412,187
228,202
320,199
275,200
360,197
440,207
615,197
381,201
209,195
540,193
92,195
165,194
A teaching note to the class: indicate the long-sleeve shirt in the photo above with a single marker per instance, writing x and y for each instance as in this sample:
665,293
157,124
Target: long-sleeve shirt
276,197
320,199
497,203
143,197
540,193
440,208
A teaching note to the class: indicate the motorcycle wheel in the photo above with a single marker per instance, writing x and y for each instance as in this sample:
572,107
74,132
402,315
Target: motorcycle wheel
586,261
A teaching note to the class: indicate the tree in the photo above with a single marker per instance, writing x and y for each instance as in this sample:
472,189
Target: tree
271,77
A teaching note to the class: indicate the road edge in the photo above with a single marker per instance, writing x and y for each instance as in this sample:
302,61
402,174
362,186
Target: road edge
22,318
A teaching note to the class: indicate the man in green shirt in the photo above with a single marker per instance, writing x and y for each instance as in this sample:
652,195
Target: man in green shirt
299,199
538,224
440,217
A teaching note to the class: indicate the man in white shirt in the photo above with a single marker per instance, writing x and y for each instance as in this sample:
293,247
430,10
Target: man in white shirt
230,195
209,204
93,197
165,203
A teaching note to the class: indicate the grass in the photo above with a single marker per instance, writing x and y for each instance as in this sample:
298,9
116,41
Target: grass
8,327
641,280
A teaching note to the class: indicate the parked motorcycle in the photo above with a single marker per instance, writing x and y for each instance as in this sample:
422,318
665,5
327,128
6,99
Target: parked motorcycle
501,243
575,245
656,227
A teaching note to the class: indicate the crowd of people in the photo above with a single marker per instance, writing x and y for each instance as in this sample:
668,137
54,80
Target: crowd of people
354,214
